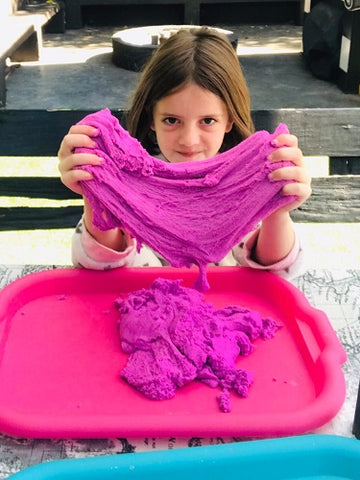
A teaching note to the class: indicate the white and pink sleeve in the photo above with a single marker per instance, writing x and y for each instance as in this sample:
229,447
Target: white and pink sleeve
288,267
88,253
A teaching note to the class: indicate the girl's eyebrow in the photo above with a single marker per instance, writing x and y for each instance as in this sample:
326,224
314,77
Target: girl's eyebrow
206,115
166,114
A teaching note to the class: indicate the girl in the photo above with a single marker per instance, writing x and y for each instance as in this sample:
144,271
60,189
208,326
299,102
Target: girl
191,103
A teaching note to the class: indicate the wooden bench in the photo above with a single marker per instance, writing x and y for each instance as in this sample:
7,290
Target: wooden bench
192,8
21,37
23,217
335,198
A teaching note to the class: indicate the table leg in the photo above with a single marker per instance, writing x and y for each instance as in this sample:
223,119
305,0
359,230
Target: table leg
356,424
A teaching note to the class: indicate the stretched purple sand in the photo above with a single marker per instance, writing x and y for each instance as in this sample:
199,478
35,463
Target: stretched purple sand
173,336
190,212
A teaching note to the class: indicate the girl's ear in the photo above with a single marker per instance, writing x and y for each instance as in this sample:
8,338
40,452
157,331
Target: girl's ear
229,126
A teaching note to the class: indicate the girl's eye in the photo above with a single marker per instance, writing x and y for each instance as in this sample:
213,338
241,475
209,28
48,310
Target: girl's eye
208,121
170,120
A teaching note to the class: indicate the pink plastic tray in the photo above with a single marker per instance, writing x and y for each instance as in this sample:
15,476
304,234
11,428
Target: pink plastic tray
60,360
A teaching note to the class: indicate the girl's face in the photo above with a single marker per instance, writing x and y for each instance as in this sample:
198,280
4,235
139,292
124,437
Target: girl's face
190,124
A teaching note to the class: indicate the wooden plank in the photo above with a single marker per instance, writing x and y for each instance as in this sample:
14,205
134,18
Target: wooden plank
74,16
27,218
36,132
321,131
334,132
344,165
334,199
191,7
35,187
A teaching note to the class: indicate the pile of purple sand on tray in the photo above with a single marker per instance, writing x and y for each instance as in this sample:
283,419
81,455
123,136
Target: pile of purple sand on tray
173,336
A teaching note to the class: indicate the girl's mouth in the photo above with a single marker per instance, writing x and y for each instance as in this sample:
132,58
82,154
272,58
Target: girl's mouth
189,154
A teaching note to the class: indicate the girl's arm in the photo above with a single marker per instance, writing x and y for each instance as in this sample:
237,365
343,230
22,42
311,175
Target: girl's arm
276,237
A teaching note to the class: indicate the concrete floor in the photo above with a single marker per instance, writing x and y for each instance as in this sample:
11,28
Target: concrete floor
76,72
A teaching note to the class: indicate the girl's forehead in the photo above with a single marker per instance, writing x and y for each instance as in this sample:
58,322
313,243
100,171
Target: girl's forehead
191,97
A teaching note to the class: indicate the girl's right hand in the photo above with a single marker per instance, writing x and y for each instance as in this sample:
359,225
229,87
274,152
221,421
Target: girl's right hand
81,136
78,136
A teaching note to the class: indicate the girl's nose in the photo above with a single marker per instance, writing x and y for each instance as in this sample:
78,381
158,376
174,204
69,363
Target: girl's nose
189,135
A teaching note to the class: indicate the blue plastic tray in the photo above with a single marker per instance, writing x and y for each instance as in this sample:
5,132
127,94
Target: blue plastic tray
315,457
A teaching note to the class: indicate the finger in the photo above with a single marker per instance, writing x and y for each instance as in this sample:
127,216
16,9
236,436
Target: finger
78,159
297,174
72,141
84,130
300,190
71,179
285,140
75,176
287,154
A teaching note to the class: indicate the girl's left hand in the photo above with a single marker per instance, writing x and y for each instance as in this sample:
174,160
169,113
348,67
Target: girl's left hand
300,184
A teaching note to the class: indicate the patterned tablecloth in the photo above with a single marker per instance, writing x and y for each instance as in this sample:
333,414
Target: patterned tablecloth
336,292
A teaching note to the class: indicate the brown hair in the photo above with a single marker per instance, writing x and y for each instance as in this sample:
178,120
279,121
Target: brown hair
205,57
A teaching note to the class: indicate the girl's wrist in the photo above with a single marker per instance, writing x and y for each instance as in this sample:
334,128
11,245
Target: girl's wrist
113,239
276,238
277,219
